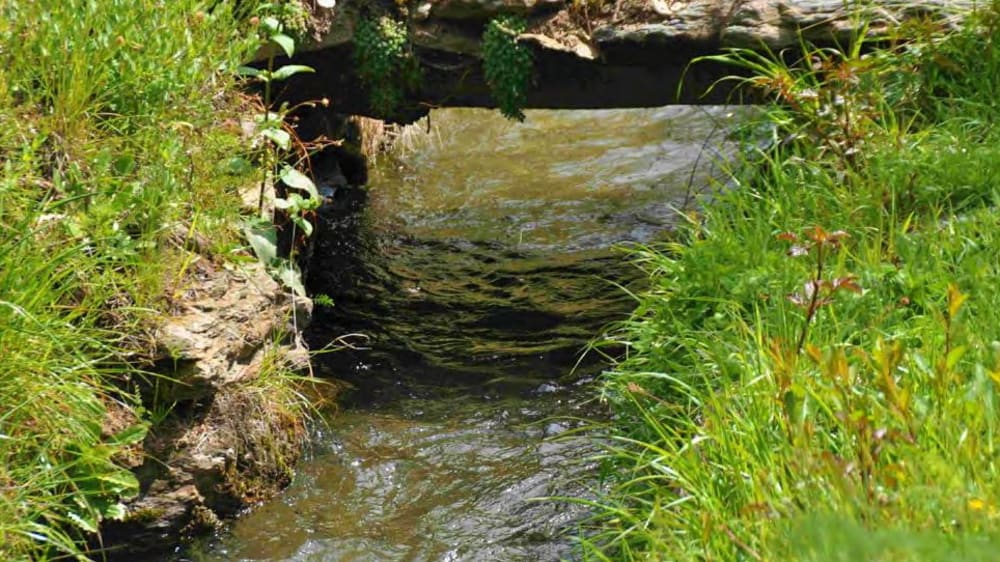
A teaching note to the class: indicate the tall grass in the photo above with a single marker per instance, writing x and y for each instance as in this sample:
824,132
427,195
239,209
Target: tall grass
814,373
118,119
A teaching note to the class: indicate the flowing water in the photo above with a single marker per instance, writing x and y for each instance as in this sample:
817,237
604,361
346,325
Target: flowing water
482,263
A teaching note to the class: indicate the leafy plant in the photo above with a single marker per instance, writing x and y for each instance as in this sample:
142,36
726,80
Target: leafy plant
817,291
291,14
271,127
507,65
385,64
829,97
323,300
277,138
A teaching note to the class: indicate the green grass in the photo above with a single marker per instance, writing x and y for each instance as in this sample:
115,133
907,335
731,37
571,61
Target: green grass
749,426
118,127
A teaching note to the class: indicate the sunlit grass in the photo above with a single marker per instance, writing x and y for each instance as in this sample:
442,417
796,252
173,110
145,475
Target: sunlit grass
755,422
118,120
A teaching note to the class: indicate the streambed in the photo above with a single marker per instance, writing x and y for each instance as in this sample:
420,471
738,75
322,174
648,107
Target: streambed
481,265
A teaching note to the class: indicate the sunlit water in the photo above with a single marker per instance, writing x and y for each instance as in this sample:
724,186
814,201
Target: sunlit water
483,264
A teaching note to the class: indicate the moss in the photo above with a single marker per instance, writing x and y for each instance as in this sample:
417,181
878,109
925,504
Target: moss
145,515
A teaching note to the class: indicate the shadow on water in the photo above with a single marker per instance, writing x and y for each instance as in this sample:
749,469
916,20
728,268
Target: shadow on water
482,263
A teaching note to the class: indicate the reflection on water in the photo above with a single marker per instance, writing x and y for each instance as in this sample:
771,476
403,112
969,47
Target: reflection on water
560,181
483,264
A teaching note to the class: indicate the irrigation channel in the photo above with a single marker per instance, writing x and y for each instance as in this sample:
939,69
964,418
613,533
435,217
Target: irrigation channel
482,263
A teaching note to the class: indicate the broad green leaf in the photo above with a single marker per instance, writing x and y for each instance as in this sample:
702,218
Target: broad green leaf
247,71
310,204
85,521
954,356
130,435
239,166
124,165
270,119
286,43
297,180
290,70
271,24
293,204
278,137
291,278
116,512
306,226
123,482
264,241
74,228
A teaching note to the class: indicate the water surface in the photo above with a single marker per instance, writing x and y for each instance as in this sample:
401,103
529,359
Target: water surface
484,262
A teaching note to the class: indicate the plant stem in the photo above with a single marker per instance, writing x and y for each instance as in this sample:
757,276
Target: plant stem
268,156
813,299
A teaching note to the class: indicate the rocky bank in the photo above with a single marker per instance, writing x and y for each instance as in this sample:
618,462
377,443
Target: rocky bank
229,439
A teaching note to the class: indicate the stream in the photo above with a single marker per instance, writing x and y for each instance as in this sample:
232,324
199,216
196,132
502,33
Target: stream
480,265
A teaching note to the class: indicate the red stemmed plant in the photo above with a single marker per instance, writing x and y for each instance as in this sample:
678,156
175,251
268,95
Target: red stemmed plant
817,292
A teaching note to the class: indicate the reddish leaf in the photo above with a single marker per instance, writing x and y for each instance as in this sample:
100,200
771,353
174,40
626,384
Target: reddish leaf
817,234
848,283
836,236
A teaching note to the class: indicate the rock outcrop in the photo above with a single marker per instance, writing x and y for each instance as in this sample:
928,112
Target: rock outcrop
229,440
595,54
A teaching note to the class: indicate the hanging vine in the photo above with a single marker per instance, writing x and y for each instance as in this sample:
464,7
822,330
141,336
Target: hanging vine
385,63
508,65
